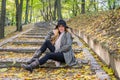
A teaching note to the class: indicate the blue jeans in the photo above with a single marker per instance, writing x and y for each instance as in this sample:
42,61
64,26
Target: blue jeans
47,44
58,56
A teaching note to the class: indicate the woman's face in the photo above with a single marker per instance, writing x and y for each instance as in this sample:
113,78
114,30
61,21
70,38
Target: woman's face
61,28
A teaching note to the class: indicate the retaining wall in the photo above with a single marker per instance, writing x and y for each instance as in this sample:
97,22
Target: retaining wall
106,56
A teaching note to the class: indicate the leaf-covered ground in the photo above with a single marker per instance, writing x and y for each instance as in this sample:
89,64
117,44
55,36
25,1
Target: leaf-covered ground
83,73
47,73
102,26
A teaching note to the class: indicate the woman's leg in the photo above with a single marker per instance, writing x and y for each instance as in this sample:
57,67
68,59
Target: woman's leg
47,44
54,56
38,53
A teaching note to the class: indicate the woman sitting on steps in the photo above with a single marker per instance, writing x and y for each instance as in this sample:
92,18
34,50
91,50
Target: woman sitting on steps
59,42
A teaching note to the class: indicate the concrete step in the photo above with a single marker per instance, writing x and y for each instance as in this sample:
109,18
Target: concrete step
39,31
42,34
44,28
17,46
35,42
32,36
28,42
16,62
19,50
28,39
28,50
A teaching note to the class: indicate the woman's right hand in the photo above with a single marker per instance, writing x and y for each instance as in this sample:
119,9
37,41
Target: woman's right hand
55,31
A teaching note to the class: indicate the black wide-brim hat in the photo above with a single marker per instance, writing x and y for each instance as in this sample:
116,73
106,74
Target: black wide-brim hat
61,22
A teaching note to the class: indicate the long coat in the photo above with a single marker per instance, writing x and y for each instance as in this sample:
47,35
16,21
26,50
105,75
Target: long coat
65,47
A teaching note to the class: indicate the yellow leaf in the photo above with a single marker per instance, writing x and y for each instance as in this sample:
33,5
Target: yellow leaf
14,62
3,69
20,75
87,67
28,78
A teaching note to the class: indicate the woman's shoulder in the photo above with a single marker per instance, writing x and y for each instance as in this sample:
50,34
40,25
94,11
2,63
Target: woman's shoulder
68,34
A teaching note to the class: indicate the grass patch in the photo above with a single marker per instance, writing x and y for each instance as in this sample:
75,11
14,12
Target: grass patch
11,31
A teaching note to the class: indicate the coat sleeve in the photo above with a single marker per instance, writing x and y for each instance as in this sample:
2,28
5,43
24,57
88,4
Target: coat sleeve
68,44
50,34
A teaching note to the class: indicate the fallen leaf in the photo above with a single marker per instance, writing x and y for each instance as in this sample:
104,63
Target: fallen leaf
3,69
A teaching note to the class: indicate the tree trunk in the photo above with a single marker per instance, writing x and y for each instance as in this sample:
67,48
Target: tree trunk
47,13
20,24
43,11
55,10
31,10
59,14
26,12
83,7
2,20
50,10
75,8
17,9
12,20
109,4
19,15
95,5
114,4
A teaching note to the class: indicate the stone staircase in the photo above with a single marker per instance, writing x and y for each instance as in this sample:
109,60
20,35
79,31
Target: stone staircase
24,44
21,47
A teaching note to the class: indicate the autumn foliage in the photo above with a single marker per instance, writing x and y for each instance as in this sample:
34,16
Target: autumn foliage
102,26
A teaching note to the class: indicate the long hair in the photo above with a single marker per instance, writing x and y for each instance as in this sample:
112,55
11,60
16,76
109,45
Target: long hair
55,37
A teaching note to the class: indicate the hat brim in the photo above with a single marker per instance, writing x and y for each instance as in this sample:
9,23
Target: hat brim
58,26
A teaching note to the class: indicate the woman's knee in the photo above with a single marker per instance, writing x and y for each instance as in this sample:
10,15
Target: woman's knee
49,55
47,41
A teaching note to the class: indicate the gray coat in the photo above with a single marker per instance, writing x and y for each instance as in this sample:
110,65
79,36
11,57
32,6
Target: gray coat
65,47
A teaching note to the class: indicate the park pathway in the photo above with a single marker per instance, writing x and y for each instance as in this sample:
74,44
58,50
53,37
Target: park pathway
20,49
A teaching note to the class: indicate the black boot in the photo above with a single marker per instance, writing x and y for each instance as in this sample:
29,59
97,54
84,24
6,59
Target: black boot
31,66
36,55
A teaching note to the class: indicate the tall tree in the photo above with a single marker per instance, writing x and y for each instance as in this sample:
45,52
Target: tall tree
2,20
19,4
112,4
50,10
83,7
26,12
44,10
55,10
59,14
31,10
92,5
75,7
95,5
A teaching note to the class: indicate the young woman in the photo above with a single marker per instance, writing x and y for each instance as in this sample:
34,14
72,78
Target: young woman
59,42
